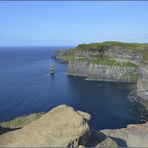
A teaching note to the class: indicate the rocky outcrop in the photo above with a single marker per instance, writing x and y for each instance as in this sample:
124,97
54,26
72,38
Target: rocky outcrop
132,136
103,72
65,127
108,61
61,127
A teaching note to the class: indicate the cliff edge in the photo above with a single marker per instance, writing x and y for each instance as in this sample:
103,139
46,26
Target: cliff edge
65,127
61,127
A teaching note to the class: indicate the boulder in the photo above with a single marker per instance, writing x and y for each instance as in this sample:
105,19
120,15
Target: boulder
61,127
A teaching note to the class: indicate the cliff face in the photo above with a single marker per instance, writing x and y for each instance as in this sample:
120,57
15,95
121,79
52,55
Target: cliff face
142,84
111,61
122,54
78,68
60,127
102,72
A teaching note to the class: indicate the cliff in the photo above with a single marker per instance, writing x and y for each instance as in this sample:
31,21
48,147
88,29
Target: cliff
65,127
109,61
61,127
124,55
118,51
142,84
103,72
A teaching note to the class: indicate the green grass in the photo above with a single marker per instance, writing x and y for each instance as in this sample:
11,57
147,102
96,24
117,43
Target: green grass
145,55
114,63
101,47
101,61
70,57
21,121
66,57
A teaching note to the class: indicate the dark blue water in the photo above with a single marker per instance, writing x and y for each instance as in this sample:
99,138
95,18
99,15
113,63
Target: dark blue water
27,87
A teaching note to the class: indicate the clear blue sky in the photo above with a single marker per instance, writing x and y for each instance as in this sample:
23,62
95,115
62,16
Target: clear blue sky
71,23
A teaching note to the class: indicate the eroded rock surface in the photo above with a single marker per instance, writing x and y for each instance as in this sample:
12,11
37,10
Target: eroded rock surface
65,127
103,72
132,136
61,127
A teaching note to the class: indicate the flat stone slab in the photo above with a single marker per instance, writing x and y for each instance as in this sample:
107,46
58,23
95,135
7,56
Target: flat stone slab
135,135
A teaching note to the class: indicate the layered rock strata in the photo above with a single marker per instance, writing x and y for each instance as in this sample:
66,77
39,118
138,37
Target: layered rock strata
103,72
142,84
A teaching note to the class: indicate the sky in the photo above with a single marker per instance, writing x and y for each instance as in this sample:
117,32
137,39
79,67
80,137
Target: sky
68,23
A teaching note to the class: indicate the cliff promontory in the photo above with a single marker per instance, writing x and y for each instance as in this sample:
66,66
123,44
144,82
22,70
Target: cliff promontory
65,127
109,61
94,71
61,127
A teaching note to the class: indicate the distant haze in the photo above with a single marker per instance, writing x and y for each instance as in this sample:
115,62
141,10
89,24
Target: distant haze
70,23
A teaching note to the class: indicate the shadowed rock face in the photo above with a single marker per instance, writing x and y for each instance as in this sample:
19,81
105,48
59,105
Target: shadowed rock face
61,127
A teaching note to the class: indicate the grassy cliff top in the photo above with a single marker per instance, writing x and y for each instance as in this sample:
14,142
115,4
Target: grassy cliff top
111,62
21,121
105,45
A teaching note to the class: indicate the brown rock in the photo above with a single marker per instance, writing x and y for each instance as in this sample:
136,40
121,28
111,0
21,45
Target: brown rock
132,136
60,127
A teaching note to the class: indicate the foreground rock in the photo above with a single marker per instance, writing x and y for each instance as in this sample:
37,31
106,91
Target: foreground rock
61,127
65,127
132,136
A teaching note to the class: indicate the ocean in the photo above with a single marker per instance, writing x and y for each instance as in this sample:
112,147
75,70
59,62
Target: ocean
27,87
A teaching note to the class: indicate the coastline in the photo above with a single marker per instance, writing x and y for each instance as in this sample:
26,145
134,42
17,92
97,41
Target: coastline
86,60
123,137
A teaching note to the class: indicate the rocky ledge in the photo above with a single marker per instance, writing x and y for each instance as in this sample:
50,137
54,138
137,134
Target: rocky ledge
61,127
132,136
65,127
